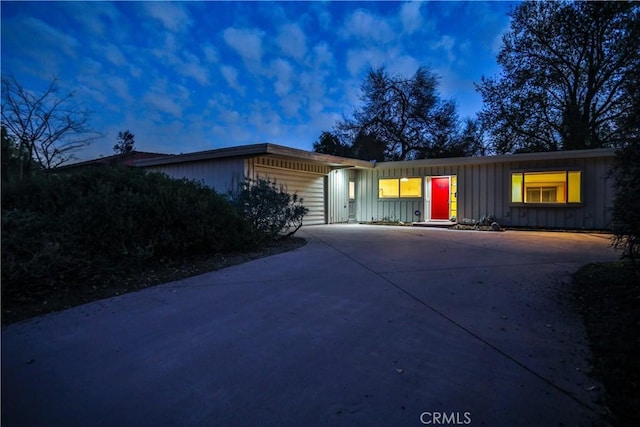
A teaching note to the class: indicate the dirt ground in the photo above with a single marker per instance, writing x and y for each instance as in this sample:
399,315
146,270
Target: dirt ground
125,277
608,296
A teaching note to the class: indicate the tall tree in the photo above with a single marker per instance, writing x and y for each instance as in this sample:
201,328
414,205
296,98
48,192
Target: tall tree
330,143
125,142
564,85
48,128
367,146
472,139
12,162
406,113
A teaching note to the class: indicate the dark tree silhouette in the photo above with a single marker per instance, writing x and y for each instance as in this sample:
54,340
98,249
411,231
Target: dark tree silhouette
47,128
125,142
569,73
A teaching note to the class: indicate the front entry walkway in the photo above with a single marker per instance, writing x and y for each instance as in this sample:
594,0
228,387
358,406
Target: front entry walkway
365,325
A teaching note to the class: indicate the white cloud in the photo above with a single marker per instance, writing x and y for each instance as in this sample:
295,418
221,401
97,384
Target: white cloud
410,16
183,61
120,87
265,121
191,67
351,96
168,50
322,55
229,116
97,18
170,99
447,44
283,72
324,121
360,59
227,135
404,65
135,71
172,16
230,74
195,71
210,53
292,41
290,105
42,36
246,42
363,25
114,55
163,104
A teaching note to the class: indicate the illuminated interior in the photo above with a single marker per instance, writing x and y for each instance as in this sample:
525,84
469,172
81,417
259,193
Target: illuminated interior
389,188
573,195
454,196
411,187
546,187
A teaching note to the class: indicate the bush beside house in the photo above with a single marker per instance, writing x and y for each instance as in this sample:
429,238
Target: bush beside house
626,204
61,230
271,213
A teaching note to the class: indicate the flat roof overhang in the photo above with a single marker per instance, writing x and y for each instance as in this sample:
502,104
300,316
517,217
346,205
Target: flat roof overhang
264,149
505,158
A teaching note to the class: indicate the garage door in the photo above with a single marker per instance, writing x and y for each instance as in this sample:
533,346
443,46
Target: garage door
309,186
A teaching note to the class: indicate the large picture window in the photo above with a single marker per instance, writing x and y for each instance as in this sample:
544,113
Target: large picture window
393,188
556,187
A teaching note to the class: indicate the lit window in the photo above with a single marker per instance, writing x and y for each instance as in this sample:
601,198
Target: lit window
390,188
352,190
573,192
453,198
411,187
557,187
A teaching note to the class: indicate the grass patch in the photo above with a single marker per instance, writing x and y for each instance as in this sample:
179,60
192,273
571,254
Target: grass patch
608,297
127,276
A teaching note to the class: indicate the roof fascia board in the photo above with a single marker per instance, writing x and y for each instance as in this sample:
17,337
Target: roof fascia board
240,151
505,158
316,157
257,150
344,162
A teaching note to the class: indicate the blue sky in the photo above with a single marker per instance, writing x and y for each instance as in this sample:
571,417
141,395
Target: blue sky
191,76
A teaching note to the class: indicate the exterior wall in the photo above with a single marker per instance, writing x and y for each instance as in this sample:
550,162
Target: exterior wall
594,213
305,179
370,207
338,196
223,175
226,174
484,188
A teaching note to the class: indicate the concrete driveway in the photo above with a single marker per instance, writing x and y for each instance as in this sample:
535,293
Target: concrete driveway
365,325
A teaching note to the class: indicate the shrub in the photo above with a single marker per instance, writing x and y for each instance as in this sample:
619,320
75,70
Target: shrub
271,212
77,222
626,202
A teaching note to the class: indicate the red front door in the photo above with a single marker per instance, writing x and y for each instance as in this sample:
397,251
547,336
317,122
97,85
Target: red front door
440,198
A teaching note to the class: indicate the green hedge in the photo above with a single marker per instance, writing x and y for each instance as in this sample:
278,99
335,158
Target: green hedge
75,222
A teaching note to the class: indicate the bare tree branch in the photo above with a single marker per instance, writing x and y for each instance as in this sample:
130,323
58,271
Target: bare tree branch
49,128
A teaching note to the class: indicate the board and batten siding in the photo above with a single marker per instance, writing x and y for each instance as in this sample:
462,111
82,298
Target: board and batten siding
338,196
223,175
594,213
371,208
307,180
485,188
